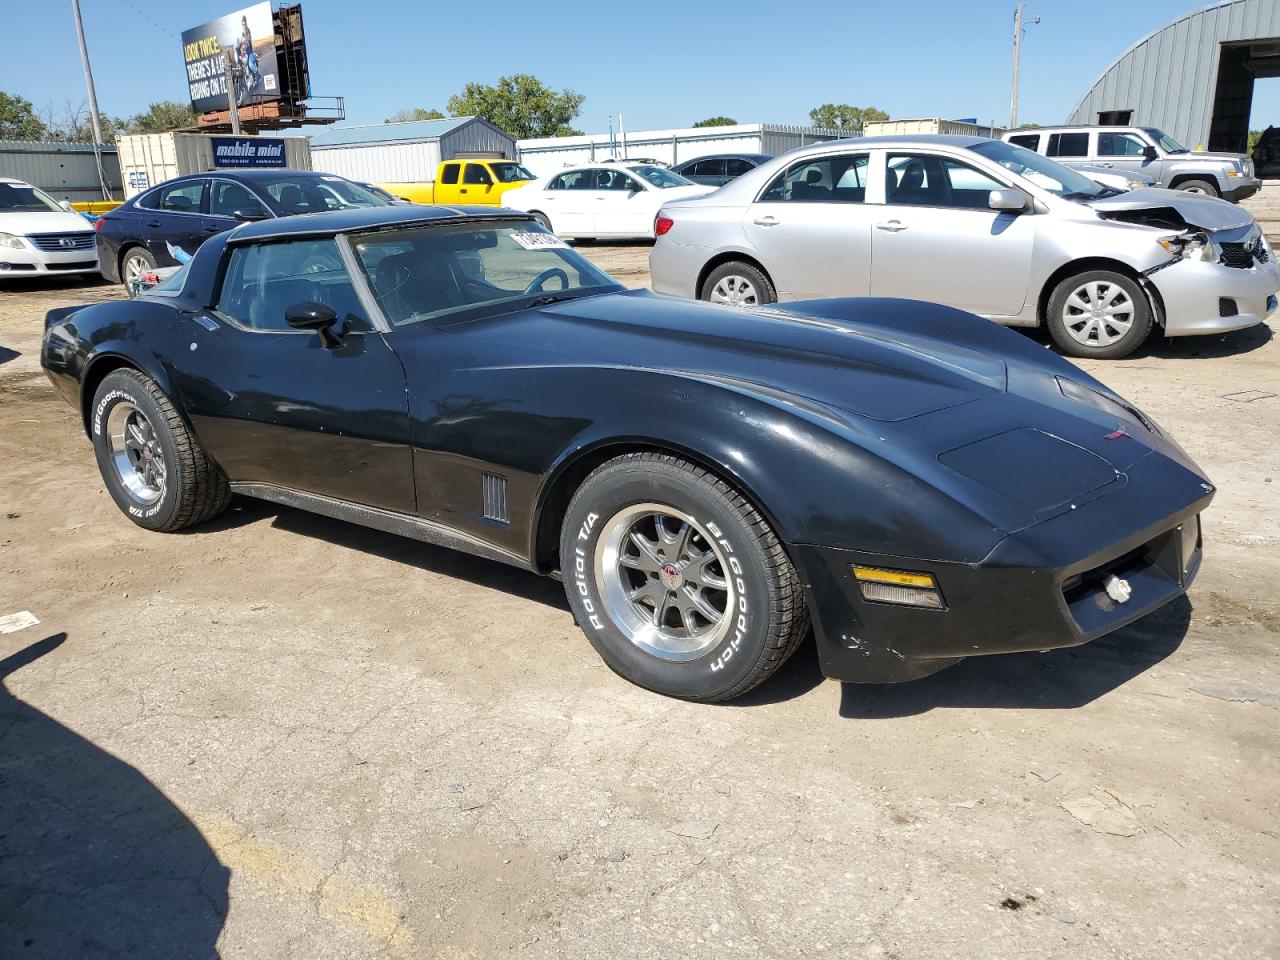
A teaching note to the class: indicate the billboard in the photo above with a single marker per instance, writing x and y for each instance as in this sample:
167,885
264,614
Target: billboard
247,152
250,36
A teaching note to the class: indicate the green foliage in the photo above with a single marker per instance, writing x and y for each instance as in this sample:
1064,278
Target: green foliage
841,116
160,118
716,122
1253,140
521,105
1028,126
417,113
18,120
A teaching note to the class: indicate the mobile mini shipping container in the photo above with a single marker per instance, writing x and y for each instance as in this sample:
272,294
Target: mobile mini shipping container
150,158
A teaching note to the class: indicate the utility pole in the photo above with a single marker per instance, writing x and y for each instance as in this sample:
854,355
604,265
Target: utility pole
93,99
1018,30
232,69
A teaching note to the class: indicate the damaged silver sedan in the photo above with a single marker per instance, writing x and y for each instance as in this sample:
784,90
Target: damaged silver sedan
978,224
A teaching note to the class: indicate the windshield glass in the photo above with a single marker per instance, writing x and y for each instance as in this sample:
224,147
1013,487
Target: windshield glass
24,198
658,177
1167,143
511,172
317,194
1044,173
468,270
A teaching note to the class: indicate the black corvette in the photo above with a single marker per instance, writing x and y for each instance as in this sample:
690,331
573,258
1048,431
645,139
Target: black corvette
920,484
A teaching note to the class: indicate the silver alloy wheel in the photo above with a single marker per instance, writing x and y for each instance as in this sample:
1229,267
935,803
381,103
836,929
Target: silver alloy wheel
735,290
1199,191
134,267
664,581
1098,313
136,453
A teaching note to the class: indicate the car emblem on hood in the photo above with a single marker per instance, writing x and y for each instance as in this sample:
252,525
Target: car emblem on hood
66,242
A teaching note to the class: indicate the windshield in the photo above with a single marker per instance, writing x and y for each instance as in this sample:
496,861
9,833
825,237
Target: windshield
1167,143
658,177
468,270
24,198
511,172
317,194
172,286
1044,173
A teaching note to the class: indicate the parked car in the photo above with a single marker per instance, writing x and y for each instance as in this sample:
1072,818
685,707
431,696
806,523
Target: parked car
183,213
602,200
377,191
978,224
921,485
469,182
718,169
39,236
1146,150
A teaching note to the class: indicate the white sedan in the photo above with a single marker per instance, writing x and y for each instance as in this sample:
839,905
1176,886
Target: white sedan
40,236
602,200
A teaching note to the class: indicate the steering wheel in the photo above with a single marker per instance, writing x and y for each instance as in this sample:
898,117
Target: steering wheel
536,283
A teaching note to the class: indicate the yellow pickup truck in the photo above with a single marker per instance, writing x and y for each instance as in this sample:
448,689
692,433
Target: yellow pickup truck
465,181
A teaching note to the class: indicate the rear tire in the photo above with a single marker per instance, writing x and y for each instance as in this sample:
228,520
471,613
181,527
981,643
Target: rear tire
1206,187
738,284
133,264
1100,314
152,466
679,583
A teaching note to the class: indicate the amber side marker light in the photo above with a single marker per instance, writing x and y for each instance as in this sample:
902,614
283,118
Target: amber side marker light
904,587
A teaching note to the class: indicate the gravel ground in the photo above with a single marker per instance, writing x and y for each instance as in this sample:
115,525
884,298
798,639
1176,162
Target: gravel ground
282,736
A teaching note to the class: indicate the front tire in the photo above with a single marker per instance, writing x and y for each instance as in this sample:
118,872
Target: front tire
1205,187
152,466
1100,314
136,262
679,583
737,284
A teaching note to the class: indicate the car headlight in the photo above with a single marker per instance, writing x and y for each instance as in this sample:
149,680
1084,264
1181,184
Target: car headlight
1191,246
9,241
1135,184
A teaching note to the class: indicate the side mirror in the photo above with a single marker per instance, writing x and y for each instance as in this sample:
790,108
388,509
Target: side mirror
250,215
1149,153
320,317
66,205
1010,200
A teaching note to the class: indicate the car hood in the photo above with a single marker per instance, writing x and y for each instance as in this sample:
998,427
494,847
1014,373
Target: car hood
1208,213
844,364
50,222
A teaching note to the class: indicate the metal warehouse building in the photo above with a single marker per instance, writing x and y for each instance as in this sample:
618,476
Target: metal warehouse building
405,152
549,154
1192,78
66,171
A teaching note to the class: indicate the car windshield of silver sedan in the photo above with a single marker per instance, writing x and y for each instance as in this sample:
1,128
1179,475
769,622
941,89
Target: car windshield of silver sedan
20,198
660,178
511,172
463,271
1044,173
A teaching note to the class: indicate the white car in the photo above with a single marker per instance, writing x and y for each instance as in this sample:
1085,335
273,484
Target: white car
602,200
39,236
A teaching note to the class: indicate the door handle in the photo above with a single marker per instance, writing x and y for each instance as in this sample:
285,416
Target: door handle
153,223
212,228
463,190
893,226
770,221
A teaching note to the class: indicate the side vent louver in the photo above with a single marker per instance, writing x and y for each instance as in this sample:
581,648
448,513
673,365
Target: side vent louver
495,498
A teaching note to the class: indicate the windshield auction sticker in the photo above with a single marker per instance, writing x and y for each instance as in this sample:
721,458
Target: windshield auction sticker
539,241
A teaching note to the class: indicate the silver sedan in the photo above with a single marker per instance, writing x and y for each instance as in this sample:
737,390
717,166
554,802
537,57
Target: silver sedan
978,224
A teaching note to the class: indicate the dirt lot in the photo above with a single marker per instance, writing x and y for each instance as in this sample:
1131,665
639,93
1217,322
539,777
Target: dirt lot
282,736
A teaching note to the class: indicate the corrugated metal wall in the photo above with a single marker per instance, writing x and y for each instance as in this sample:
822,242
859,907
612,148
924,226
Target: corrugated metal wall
409,161
66,171
1168,78
548,154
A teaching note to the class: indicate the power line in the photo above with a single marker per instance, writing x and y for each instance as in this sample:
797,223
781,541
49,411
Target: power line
132,6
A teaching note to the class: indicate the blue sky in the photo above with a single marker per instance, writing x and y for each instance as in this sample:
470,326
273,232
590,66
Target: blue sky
664,65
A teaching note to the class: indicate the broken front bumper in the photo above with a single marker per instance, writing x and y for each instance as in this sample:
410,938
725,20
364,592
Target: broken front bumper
1201,297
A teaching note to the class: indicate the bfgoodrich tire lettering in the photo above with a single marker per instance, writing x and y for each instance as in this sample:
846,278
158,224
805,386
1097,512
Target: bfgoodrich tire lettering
151,464
720,641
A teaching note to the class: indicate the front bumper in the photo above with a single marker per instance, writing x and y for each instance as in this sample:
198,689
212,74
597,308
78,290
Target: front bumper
1039,589
1241,188
30,262
1204,297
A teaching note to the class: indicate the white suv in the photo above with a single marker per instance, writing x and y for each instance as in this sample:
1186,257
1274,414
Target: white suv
39,236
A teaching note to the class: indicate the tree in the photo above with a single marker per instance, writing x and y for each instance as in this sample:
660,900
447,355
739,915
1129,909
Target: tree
1028,126
417,113
18,120
161,117
716,122
1254,136
71,123
841,116
521,105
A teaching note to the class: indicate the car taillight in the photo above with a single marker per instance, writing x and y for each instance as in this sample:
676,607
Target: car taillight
97,224
662,225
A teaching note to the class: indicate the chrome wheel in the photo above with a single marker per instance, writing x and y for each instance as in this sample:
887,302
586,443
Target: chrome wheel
664,581
135,453
1098,313
735,290
135,267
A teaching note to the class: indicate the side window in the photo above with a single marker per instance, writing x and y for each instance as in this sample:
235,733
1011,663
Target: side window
150,200
227,198
615,180
575,180
929,181
263,280
737,167
1029,140
182,197
558,183
1068,145
1119,145
475,173
838,179
450,173
709,168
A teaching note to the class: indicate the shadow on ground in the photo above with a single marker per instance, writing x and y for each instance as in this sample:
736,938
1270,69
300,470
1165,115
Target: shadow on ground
6,354
1215,345
94,860
1057,680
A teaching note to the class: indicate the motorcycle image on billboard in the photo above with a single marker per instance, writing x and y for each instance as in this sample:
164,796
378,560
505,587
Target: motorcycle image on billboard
249,36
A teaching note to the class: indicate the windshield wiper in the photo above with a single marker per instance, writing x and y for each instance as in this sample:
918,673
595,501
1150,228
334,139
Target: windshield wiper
550,298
